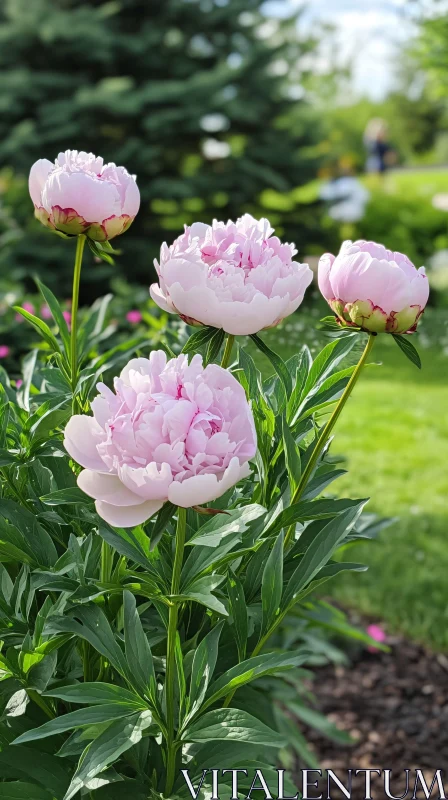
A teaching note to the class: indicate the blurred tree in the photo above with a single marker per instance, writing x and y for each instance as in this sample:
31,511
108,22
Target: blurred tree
197,97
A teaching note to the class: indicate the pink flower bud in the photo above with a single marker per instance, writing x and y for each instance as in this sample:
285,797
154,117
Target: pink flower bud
80,194
134,317
235,275
170,430
19,383
373,288
4,351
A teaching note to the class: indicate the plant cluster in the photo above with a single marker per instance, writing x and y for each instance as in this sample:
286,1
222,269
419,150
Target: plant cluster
139,595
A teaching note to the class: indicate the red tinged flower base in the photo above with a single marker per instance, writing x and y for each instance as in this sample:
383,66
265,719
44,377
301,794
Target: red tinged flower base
68,221
371,318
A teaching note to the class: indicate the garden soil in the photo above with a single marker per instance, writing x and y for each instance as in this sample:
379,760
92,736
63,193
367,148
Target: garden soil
395,705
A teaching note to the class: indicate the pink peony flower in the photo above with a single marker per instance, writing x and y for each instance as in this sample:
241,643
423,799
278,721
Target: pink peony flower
80,194
375,632
376,289
233,275
45,312
134,316
170,431
4,351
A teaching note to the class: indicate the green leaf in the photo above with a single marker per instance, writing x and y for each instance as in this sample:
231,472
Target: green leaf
251,375
133,544
201,591
93,693
238,609
198,339
20,528
92,625
218,527
80,718
203,667
320,723
137,650
28,367
231,723
251,669
272,584
292,457
278,364
41,328
331,355
62,497
319,552
25,764
110,745
308,510
405,344
23,791
56,313
214,346
161,521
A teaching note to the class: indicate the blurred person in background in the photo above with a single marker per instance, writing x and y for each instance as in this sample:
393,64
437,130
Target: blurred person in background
380,153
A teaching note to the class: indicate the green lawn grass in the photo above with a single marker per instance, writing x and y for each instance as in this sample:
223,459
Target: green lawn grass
394,434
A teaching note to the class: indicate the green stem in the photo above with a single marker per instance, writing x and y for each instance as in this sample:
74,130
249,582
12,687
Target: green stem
227,351
171,650
106,562
74,331
327,430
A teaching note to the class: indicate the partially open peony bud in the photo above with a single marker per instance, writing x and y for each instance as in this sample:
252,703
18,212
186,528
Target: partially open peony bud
233,275
373,288
80,194
170,431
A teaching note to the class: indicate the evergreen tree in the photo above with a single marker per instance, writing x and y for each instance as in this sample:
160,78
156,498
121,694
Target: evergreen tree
197,97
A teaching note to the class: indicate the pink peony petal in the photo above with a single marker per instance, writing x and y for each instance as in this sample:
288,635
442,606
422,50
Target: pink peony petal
81,436
127,516
38,175
108,488
206,488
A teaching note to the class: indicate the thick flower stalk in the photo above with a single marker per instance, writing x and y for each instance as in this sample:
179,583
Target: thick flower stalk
373,288
79,194
236,276
169,431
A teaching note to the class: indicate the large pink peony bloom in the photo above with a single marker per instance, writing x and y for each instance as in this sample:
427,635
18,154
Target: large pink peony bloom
233,275
374,288
80,194
170,431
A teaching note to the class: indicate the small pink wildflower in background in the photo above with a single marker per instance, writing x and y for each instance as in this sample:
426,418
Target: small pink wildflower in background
134,316
45,312
377,633
68,317
4,351
19,383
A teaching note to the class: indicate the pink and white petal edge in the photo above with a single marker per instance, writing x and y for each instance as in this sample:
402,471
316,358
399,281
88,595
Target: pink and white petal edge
127,516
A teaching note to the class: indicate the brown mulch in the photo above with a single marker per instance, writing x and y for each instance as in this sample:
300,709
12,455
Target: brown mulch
394,704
